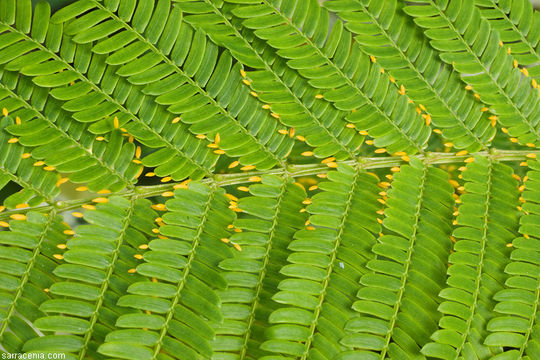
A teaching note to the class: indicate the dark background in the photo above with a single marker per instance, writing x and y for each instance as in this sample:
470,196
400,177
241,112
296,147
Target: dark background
55,4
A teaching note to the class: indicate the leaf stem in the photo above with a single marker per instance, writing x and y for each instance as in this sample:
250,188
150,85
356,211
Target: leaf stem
11,310
293,171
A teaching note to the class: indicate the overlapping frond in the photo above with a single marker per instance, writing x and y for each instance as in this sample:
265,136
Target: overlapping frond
514,326
177,64
334,65
384,31
286,93
519,26
487,221
397,303
235,261
51,138
92,276
95,94
26,265
474,48
324,267
177,303
263,231
37,184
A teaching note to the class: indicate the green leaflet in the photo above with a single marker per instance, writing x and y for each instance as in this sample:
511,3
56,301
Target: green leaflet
91,89
271,219
178,294
92,278
37,184
26,271
237,243
195,82
66,145
277,85
516,20
514,324
397,302
487,222
324,267
384,31
472,46
337,68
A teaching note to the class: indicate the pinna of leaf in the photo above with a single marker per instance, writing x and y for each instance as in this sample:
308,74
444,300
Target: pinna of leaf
270,179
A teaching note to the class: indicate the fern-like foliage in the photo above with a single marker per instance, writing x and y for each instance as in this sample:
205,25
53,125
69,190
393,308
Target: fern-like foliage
183,80
86,295
270,179
46,134
397,304
487,220
476,50
271,219
326,261
515,326
27,268
415,65
518,24
276,84
298,31
182,265
37,183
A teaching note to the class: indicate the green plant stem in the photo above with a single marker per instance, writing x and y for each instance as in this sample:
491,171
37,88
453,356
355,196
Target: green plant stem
294,171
